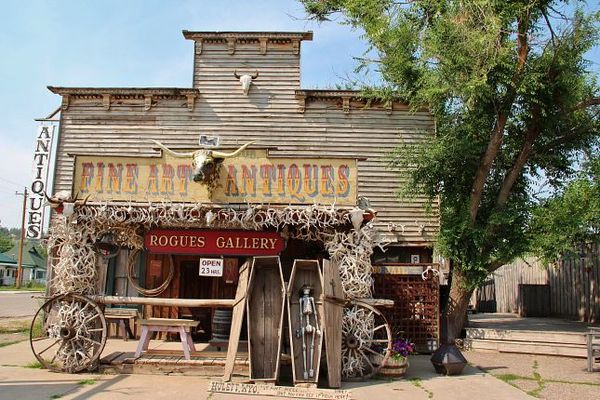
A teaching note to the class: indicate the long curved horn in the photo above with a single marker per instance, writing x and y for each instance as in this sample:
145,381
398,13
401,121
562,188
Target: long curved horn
236,74
82,202
218,154
255,74
50,200
173,153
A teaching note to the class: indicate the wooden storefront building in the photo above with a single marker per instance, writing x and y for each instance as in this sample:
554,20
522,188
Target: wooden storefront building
332,149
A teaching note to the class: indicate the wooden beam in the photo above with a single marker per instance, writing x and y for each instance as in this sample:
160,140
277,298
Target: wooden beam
263,45
236,321
147,102
332,288
346,104
152,301
106,101
191,101
64,105
231,45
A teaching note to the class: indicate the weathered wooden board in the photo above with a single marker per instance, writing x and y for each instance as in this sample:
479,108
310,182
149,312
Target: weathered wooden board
305,272
334,310
236,320
278,391
265,306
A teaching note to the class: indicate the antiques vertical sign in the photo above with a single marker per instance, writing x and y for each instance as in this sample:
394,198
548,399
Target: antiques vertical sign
41,161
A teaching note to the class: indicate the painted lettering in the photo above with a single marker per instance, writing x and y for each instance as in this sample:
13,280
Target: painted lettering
115,176
267,174
248,180
231,188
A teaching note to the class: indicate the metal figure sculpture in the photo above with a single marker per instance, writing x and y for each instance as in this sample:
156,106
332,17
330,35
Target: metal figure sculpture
308,330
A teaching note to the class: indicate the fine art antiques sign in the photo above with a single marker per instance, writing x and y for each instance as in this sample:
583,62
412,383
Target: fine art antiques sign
216,242
252,177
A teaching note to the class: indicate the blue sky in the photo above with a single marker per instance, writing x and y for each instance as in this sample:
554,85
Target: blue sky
131,43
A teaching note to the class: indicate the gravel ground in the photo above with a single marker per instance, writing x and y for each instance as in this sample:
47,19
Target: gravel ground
546,377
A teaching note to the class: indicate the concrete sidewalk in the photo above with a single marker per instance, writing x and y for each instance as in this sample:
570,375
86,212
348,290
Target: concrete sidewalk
421,382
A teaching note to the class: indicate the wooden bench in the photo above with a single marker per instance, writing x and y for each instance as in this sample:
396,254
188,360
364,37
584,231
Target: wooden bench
593,347
123,317
181,326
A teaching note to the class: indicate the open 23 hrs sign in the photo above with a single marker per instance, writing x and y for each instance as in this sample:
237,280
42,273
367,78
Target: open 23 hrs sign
211,267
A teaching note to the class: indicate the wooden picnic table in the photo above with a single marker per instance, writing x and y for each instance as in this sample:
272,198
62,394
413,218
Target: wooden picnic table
181,326
123,317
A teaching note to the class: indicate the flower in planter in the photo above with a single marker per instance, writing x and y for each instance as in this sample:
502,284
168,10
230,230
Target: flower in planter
401,349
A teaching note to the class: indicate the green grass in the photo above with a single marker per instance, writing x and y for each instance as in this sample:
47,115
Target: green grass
418,383
56,396
87,382
9,343
34,365
36,288
18,328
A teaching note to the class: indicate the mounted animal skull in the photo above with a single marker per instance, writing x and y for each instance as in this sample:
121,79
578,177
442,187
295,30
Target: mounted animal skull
245,80
62,203
204,161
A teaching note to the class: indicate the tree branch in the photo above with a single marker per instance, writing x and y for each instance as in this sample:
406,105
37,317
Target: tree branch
497,134
511,177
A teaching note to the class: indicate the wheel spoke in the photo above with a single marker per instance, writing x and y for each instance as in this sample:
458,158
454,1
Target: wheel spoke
91,340
48,348
379,327
370,350
368,361
57,352
377,340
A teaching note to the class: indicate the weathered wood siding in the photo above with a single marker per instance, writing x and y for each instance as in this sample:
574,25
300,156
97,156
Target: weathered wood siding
269,114
574,285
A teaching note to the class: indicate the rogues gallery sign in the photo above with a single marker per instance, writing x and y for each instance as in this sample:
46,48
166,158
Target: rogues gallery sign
215,242
251,177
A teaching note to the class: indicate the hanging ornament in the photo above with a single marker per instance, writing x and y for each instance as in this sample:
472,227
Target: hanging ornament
210,216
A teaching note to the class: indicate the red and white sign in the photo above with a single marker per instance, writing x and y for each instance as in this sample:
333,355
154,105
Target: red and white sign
211,267
214,242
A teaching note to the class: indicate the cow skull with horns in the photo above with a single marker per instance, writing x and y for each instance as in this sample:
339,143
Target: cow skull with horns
245,80
63,203
204,161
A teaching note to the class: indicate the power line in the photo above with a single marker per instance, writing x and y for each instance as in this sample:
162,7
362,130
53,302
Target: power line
12,182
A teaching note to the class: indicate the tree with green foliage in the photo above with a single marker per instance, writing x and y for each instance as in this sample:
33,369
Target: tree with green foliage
571,218
6,242
514,102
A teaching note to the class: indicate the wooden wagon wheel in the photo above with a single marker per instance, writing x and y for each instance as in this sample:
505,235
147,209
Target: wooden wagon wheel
68,333
366,341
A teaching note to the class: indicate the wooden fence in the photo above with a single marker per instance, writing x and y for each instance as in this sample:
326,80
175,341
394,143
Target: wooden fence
573,284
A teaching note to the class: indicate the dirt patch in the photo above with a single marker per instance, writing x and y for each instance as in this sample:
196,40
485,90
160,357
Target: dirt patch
14,330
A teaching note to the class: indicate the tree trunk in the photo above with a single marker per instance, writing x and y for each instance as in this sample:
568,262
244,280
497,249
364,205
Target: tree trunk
456,309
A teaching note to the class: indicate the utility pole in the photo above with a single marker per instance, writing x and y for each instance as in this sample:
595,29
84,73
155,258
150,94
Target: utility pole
20,262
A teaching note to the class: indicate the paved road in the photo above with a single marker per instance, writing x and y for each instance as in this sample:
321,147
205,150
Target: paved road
19,304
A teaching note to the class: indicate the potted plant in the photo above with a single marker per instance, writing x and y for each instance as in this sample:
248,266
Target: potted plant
397,363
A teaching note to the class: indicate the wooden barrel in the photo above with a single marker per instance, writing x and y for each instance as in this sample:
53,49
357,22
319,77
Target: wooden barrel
221,325
394,369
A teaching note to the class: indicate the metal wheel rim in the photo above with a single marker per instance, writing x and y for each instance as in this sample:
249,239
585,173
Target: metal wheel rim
76,346
362,351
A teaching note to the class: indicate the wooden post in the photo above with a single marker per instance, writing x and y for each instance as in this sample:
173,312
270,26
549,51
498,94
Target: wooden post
20,261
334,310
236,321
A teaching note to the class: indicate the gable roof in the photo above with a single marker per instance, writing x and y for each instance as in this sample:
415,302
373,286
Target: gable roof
6,259
31,257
